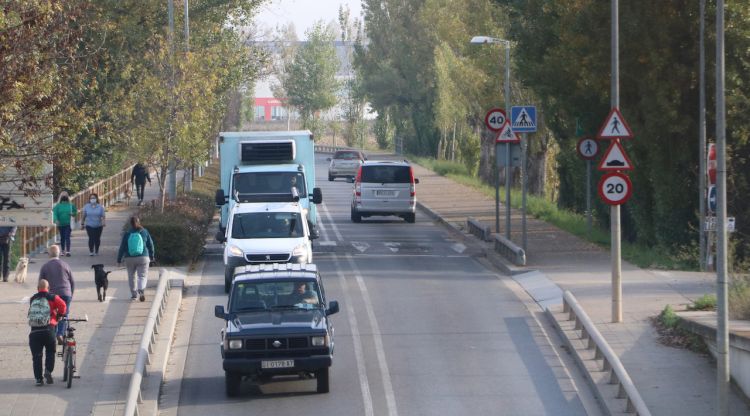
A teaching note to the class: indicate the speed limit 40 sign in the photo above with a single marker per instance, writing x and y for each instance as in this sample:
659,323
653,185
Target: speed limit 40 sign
615,188
495,119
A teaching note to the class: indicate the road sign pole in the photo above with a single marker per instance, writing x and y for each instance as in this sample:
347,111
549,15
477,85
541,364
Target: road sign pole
588,198
524,179
497,188
615,209
722,330
702,138
507,190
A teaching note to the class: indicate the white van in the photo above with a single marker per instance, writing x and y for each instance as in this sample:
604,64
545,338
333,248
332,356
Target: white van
272,232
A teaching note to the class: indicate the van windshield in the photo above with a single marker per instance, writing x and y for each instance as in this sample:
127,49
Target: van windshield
386,174
267,225
269,183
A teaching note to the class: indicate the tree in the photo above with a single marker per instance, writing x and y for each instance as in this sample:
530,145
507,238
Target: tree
310,82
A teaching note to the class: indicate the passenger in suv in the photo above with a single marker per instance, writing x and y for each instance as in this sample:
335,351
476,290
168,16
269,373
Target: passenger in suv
345,163
385,188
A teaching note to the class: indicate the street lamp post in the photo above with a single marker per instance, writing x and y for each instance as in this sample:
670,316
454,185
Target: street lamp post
483,40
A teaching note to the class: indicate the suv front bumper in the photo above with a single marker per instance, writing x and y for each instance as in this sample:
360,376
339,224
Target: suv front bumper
253,366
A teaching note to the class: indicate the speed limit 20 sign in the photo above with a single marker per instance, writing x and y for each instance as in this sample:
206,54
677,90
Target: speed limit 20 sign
615,188
495,119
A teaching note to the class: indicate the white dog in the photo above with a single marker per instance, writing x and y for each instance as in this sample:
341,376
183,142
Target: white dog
21,269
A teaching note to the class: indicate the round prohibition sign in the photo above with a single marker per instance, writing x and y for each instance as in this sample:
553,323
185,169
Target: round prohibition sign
495,119
615,188
587,148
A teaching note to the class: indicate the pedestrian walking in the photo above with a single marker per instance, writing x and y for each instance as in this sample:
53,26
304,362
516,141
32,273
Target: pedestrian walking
139,176
7,235
62,213
137,249
61,283
44,310
93,219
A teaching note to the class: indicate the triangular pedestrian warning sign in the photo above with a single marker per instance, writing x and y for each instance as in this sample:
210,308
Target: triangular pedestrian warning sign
506,135
615,158
615,127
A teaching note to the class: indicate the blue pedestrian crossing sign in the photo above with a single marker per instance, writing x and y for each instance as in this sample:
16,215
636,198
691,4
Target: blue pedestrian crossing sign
523,119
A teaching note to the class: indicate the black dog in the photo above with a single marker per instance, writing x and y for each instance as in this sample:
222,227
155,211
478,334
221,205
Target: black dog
100,278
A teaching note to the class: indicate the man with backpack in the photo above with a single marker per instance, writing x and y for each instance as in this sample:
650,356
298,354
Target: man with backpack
44,308
137,248
61,283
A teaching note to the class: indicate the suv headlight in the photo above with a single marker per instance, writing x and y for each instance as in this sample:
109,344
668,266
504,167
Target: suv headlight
235,344
319,341
235,251
300,252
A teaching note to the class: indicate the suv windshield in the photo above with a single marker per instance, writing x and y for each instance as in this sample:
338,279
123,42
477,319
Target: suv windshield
386,174
251,296
267,225
269,183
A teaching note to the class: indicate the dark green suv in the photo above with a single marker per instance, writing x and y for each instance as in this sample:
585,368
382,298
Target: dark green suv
277,324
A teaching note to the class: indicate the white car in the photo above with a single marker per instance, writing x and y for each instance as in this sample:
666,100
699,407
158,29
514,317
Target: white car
274,232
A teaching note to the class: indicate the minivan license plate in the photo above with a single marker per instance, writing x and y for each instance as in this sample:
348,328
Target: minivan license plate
277,364
385,193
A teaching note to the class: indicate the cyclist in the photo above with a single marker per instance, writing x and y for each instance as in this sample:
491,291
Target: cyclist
43,320
60,277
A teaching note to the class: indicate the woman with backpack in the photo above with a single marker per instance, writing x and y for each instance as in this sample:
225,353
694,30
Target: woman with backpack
137,248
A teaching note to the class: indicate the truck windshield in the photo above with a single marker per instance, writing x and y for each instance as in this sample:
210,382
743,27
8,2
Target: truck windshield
267,225
269,183
262,295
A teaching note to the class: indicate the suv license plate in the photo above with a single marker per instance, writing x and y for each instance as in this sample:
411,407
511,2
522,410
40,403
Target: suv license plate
385,193
277,364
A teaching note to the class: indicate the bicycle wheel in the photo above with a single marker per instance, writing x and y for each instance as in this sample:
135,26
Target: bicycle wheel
65,363
69,365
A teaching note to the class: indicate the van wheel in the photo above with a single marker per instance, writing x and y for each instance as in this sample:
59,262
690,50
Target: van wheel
232,383
411,218
228,278
356,216
321,377
330,178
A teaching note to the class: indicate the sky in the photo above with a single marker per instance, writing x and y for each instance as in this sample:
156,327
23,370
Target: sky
303,13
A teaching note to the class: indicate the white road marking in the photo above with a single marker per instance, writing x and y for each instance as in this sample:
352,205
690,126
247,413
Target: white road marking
327,243
359,355
458,248
390,397
324,208
360,246
392,246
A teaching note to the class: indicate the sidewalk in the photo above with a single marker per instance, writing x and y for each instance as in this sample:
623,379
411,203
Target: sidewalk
107,343
671,381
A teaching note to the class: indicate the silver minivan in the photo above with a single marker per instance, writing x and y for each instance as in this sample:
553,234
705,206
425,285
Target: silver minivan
384,188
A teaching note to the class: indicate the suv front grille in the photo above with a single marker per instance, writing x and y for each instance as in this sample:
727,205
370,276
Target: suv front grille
266,258
262,344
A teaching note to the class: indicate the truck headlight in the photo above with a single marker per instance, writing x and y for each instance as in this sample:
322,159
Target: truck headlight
235,251
318,341
235,344
300,252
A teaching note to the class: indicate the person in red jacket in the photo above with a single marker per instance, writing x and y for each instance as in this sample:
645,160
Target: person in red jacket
43,337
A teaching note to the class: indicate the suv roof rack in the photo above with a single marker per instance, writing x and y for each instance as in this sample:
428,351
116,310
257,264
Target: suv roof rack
276,267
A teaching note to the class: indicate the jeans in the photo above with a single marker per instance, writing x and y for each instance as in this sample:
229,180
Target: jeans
95,238
39,340
63,325
5,253
137,264
139,188
64,231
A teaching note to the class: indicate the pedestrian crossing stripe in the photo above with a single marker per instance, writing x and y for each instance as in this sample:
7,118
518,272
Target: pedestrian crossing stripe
615,158
615,127
506,135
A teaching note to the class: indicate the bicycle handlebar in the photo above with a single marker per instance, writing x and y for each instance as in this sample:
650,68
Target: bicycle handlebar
84,319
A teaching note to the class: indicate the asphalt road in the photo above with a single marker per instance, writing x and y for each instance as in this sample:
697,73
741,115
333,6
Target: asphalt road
424,329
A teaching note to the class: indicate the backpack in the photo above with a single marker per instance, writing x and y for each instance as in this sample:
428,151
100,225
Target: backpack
39,311
135,244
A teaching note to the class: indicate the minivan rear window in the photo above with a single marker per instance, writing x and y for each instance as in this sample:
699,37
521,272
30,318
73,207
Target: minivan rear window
347,155
386,174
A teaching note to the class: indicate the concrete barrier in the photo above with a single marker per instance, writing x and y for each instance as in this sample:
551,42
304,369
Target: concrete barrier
478,229
510,250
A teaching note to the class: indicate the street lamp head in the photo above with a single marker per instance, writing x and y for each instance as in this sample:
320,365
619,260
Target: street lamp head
481,39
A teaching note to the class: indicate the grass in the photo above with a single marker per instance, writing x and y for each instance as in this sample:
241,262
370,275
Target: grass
572,222
704,303
667,324
208,183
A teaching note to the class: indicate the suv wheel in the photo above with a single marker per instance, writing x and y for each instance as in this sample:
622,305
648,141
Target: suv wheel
232,382
356,216
228,279
330,178
322,378
410,218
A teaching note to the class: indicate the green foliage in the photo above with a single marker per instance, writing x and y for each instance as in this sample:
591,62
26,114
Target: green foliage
739,298
668,318
384,131
704,303
180,230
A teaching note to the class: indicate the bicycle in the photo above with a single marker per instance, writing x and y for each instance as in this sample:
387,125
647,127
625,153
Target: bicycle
68,352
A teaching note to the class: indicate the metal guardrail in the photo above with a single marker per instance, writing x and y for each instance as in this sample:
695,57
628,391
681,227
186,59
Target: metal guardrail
478,229
109,189
510,250
148,339
602,351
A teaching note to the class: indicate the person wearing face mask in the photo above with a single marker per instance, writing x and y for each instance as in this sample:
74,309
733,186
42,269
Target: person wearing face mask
93,220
